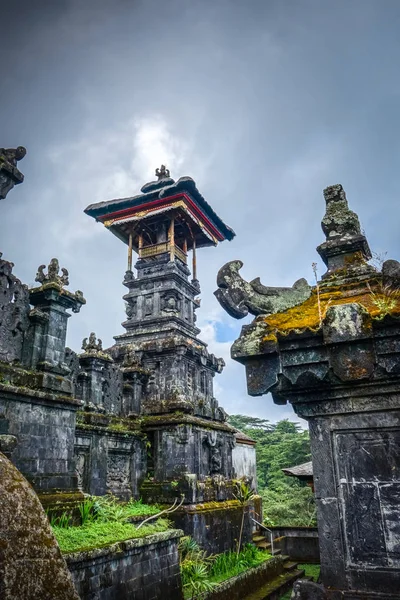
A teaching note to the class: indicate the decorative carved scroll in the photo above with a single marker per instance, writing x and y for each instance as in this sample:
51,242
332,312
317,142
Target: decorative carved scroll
14,311
238,297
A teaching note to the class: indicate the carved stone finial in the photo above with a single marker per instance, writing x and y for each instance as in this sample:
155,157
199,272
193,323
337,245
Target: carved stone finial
162,173
10,175
346,248
52,274
94,344
339,220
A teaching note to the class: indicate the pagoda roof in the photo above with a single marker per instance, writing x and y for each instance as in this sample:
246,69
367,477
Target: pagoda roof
161,196
242,438
303,471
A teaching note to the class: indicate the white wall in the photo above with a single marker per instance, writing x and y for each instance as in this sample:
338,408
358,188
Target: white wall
244,462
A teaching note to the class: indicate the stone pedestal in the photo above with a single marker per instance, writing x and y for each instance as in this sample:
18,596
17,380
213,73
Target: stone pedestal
335,357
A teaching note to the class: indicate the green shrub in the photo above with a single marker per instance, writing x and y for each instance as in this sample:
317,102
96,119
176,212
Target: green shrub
199,570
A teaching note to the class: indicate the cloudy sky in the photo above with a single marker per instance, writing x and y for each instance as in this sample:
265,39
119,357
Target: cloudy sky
263,102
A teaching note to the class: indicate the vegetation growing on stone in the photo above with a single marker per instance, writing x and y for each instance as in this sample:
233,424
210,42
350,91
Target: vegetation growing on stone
98,534
378,301
286,501
202,573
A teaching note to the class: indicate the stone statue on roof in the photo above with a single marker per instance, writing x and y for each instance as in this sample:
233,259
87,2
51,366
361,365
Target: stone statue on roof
162,173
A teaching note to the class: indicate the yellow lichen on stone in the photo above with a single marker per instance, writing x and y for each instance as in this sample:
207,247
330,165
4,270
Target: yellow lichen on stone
378,301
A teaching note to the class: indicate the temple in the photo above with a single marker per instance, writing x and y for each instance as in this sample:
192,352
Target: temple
138,419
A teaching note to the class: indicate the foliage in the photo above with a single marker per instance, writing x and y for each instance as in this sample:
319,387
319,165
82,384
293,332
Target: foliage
200,573
108,508
230,564
86,511
290,506
286,501
104,520
242,422
244,494
197,579
98,534
61,521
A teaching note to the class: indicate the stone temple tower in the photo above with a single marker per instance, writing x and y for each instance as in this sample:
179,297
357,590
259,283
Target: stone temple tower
169,370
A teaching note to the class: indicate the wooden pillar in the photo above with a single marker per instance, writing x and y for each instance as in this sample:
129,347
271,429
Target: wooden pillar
185,246
140,244
194,262
171,240
130,253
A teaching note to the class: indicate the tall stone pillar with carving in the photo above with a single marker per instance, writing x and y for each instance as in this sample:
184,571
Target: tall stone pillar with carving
332,351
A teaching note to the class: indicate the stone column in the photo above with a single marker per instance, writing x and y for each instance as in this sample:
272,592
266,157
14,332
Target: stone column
45,346
93,362
335,356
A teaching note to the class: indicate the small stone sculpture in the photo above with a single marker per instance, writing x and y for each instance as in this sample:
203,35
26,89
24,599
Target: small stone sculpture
10,175
52,274
238,297
162,173
93,344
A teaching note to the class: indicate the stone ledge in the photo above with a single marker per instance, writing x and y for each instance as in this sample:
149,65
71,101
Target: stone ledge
122,547
29,395
154,421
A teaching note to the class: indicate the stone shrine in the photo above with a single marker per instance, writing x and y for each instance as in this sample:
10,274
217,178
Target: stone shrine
167,371
333,352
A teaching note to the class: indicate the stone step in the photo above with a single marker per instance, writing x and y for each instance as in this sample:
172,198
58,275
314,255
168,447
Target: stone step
290,565
276,551
263,545
258,538
278,586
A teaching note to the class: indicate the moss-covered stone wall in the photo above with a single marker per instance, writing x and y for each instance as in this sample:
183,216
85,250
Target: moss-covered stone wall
142,569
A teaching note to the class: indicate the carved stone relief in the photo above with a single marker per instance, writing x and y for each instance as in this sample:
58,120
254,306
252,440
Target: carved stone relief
117,472
14,311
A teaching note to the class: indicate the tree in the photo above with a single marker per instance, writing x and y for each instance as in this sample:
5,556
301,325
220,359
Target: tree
286,500
242,422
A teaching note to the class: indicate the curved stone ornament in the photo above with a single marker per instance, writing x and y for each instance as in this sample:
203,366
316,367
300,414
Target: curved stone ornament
238,297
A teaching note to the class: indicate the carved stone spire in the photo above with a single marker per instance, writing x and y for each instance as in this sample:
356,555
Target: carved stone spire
10,175
346,249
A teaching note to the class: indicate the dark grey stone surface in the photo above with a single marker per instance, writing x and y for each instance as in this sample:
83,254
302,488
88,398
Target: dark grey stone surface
299,543
143,569
45,431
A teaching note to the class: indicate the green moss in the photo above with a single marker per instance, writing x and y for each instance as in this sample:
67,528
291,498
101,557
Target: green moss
98,535
376,300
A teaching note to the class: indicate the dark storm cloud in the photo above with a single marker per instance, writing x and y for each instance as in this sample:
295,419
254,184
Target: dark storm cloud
264,103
